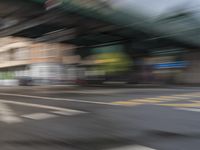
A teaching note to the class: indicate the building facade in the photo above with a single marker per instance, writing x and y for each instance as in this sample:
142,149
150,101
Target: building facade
44,63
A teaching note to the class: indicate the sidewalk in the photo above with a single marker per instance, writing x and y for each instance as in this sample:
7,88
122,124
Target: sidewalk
90,87
39,88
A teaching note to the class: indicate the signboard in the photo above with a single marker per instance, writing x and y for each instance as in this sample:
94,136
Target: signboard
177,64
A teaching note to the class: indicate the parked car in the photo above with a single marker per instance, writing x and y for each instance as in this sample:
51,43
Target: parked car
25,81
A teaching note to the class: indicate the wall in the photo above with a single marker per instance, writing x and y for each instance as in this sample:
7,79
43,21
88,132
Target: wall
191,74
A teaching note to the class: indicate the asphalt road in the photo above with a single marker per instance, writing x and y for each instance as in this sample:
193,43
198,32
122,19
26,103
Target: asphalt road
100,119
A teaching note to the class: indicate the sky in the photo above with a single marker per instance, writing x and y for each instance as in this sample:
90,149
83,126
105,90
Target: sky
155,8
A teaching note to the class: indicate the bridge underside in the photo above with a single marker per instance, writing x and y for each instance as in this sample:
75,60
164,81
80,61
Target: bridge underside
32,20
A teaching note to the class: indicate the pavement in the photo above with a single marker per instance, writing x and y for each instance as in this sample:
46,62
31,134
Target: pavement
96,118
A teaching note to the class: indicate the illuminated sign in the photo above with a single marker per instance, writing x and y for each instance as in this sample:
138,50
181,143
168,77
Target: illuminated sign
177,64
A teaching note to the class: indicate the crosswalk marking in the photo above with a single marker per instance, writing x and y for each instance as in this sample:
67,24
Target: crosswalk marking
135,102
39,116
7,115
38,106
158,100
132,147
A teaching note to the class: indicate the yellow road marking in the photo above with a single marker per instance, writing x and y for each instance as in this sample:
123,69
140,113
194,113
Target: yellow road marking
194,104
159,99
172,98
183,95
189,95
127,103
135,102
163,99
197,96
154,98
145,101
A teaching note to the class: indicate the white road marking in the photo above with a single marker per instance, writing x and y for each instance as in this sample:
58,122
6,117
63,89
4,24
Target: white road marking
133,147
67,113
41,106
7,115
195,96
58,99
172,98
39,116
190,109
167,98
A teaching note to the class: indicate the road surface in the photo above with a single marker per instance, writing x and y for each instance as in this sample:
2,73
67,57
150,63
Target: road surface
100,119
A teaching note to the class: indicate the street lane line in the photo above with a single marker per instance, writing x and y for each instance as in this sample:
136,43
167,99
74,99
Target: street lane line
66,113
7,115
133,147
189,109
58,99
40,106
127,103
39,116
